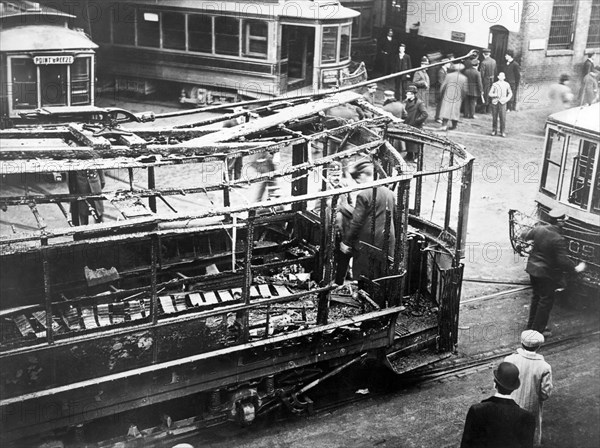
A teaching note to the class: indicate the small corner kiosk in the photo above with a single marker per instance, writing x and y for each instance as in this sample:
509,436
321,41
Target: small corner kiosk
43,61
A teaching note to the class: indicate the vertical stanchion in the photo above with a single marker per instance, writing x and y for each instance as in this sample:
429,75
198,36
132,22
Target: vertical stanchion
463,212
323,307
47,297
152,186
449,195
243,315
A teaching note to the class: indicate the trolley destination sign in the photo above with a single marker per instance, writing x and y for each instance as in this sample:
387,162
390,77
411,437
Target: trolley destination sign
52,60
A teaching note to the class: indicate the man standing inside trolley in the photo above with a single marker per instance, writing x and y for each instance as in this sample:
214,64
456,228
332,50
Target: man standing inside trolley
367,237
547,265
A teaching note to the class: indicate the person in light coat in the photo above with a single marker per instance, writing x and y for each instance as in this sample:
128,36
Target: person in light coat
454,91
536,378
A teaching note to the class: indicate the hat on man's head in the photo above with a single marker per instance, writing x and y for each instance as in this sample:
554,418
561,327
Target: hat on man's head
360,167
412,88
486,51
334,167
389,93
424,59
557,213
532,338
507,376
373,84
402,45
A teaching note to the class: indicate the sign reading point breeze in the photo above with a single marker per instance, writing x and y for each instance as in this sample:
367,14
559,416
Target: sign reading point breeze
48,60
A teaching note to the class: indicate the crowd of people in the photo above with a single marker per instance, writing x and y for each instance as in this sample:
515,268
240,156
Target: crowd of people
475,85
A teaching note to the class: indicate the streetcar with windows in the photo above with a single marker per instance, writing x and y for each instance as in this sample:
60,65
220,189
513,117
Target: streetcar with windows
45,62
204,52
194,286
570,179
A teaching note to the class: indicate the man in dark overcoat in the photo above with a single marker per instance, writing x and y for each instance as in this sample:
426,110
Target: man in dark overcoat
86,182
513,78
402,63
416,114
546,266
498,421
386,53
488,69
474,87
588,66
369,248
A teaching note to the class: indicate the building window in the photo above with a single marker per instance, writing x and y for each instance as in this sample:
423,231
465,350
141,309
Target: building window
227,36
362,26
80,81
561,26
593,40
148,29
345,43
329,49
256,35
173,28
24,84
200,33
123,24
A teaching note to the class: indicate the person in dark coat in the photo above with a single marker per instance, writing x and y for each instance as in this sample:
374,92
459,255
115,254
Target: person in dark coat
386,54
474,87
421,80
587,67
488,69
416,114
402,63
86,182
368,248
498,421
513,78
441,77
546,266
235,164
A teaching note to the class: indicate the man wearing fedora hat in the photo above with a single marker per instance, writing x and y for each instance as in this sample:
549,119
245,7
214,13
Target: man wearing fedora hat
370,244
498,421
536,378
547,264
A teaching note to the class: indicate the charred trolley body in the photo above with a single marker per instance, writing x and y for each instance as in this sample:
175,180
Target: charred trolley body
570,179
198,289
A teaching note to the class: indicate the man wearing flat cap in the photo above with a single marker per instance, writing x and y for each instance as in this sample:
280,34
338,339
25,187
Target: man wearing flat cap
499,422
421,80
370,245
416,114
536,378
547,265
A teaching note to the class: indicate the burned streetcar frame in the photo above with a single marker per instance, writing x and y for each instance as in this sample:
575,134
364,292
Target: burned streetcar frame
118,315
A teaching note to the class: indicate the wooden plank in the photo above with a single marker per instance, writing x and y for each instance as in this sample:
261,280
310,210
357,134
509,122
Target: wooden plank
87,137
131,207
180,302
103,315
133,141
210,297
118,313
72,319
282,290
89,319
167,304
262,123
196,299
23,325
135,310
264,290
225,296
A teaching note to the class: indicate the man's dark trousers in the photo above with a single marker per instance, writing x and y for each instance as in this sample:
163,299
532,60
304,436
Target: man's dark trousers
541,302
